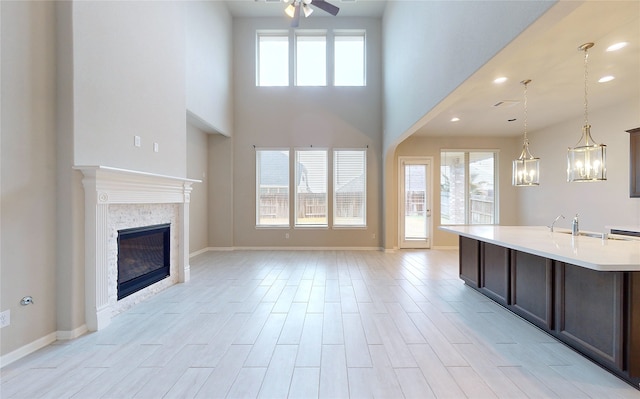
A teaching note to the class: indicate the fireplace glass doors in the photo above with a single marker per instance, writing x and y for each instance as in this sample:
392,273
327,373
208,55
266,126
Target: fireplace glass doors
143,257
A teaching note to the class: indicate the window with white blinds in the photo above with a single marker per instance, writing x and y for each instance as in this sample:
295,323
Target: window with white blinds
349,188
311,188
272,188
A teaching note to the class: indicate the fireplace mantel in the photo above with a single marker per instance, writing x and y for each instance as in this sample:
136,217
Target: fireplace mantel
105,186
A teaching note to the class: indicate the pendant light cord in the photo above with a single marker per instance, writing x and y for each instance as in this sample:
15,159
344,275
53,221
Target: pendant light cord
526,140
586,76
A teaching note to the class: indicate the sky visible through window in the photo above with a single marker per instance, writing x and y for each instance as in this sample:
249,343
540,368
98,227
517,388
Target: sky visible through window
273,61
349,61
311,60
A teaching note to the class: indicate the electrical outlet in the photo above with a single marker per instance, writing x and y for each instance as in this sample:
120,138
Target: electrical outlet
156,147
286,235
137,141
5,318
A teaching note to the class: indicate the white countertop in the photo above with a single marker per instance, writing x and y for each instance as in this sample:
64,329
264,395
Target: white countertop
589,252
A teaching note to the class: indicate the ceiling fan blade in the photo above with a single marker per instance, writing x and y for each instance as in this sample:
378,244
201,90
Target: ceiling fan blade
328,7
296,17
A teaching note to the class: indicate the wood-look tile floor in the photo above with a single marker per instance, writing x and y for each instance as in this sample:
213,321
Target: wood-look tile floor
306,324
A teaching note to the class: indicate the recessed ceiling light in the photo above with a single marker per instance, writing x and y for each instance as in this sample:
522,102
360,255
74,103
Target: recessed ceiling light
455,119
499,80
617,46
605,79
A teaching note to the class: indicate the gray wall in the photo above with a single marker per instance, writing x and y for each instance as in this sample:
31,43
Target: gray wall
599,204
197,164
129,79
209,66
209,84
28,206
324,117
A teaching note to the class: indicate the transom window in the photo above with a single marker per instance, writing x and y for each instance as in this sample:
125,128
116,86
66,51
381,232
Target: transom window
311,60
320,58
273,59
349,59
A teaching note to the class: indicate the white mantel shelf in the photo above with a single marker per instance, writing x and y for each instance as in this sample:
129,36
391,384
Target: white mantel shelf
589,252
123,186
106,186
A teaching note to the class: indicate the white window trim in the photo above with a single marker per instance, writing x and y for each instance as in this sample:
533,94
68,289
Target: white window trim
333,177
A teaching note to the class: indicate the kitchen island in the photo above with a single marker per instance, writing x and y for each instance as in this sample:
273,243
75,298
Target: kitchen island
584,290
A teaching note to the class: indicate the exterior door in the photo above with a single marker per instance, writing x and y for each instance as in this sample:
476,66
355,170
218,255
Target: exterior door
415,202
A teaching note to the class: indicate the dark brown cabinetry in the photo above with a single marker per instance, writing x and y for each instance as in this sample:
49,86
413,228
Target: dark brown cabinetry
494,272
597,313
634,162
531,288
470,261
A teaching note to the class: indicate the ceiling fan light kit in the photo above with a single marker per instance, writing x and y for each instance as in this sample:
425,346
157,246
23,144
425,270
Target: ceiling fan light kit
294,6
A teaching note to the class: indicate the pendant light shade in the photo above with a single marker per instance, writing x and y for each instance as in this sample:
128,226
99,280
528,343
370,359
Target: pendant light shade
586,161
526,169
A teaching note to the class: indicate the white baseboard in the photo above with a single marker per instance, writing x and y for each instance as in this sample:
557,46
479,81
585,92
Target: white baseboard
446,247
199,252
75,333
307,248
27,349
285,249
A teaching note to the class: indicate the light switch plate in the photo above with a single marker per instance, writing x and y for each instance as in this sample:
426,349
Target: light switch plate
137,141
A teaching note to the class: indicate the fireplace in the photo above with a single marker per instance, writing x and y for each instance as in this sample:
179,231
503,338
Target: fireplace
143,257
119,199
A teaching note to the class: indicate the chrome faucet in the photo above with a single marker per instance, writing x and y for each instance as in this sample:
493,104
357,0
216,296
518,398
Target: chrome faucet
574,226
554,222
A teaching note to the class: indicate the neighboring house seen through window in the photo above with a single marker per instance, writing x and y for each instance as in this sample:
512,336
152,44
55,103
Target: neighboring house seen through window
310,191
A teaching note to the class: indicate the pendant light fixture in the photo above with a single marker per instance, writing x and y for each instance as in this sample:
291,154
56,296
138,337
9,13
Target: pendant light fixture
587,160
526,169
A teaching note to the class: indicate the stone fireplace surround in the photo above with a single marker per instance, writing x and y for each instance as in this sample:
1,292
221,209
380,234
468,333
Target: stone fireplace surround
116,199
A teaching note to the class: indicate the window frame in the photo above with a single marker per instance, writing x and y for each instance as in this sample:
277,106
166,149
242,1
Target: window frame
258,182
272,33
467,185
335,182
296,223
310,34
338,33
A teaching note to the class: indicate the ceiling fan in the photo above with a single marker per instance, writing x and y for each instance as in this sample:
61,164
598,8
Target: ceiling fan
294,7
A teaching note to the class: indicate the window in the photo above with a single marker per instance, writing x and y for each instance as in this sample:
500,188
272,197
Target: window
311,60
272,187
468,187
273,60
349,59
349,187
311,188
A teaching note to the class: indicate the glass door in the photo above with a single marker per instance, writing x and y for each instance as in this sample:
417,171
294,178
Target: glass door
415,202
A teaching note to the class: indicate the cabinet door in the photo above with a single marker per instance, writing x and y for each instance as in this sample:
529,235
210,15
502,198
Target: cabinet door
494,272
469,261
532,288
590,311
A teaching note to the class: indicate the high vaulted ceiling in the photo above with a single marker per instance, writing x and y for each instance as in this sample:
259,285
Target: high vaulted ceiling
546,53
275,8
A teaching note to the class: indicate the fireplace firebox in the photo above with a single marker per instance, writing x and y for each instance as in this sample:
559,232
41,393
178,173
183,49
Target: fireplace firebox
143,257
